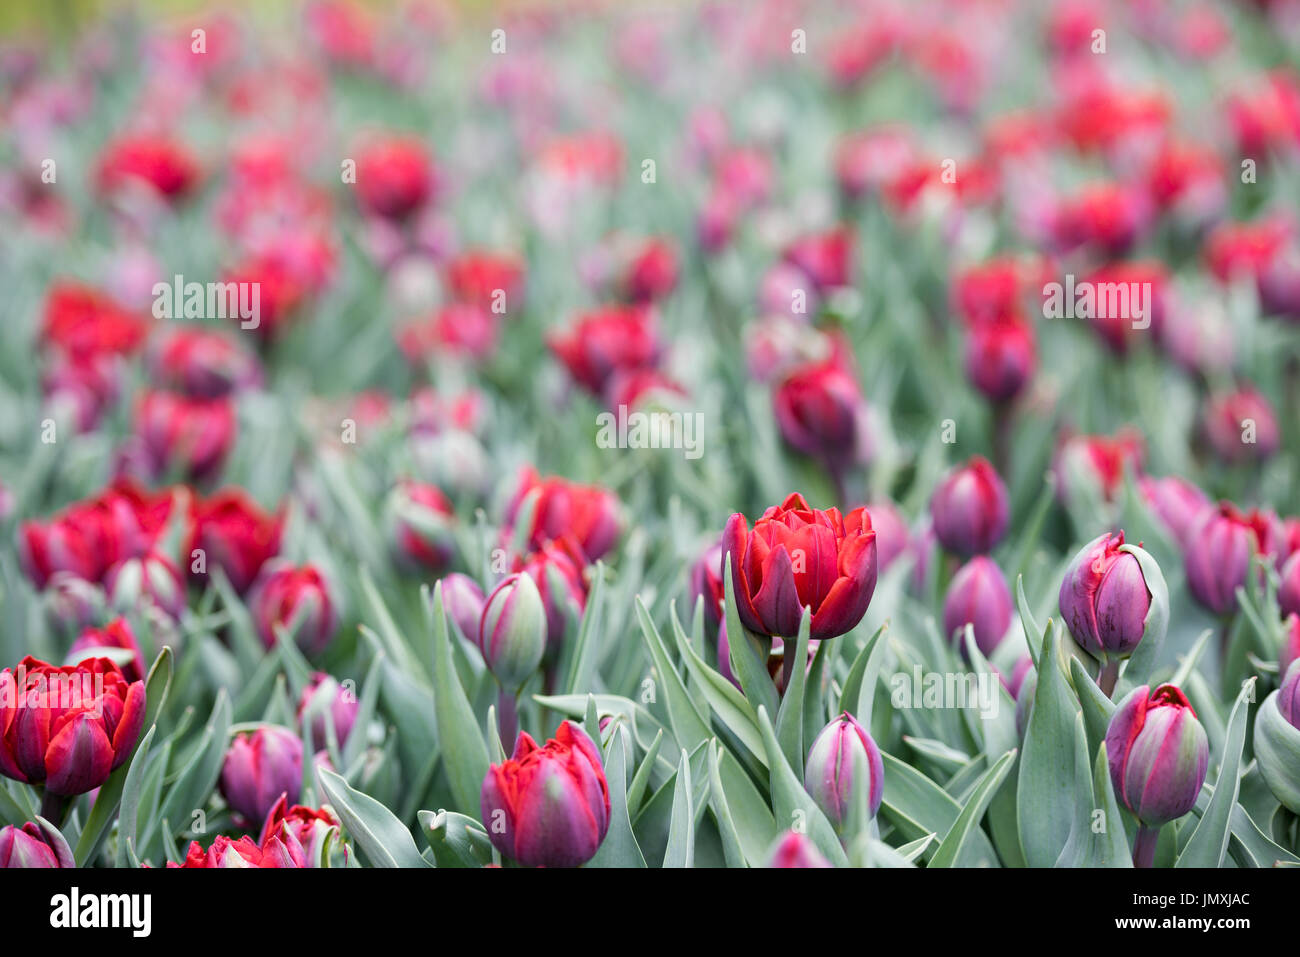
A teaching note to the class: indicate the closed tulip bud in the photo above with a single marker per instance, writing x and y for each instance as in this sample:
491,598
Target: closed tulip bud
152,577
463,602
821,412
115,641
259,767
562,559
978,596
1105,599
548,806
1288,592
1158,754
1288,696
839,751
67,728
798,557
512,631
296,598
35,844
1221,544
969,509
1176,502
1001,357
1277,739
324,700
421,526
794,849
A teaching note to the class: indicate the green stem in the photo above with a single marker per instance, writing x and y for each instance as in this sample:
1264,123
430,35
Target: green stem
1108,676
53,807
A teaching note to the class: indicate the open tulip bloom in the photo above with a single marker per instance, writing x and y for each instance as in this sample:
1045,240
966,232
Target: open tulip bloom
783,434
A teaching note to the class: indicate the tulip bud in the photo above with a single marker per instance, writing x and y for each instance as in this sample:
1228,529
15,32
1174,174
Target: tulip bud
1175,501
512,631
548,806
1105,599
892,535
969,509
1221,545
840,748
297,598
35,844
542,565
151,577
1000,358
1158,754
979,597
463,602
706,584
323,700
794,849
420,520
259,767
67,728
74,602
1288,696
821,412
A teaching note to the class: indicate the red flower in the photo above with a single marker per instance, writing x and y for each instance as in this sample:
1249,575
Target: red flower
67,728
235,536
565,558
224,853
652,274
548,806
191,436
1100,460
587,514
84,322
162,164
826,258
285,595
476,276
605,341
116,641
797,557
821,412
394,177
1001,357
455,329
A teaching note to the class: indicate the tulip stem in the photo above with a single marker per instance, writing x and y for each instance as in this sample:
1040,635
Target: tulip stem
508,719
1144,846
53,807
1108,676
787,663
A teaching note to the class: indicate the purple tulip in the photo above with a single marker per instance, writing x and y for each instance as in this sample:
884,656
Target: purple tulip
324,697
37,844
978,596
829,773
1158,754
970,509
260,767
1176,502
512,631
1219,549
1104,598
548,806
1288,591
463,601
796,850
1288,697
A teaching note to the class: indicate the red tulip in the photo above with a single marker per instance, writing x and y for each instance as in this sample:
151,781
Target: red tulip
296,836
35,844
259,768
797,557
422,525
548,806
487,279
821,412
201,364
605,341
67,728
82,322
586,514
394,177
115,641
161,164
1001,357
235,535
1220,546
1240,426
286,595
189,436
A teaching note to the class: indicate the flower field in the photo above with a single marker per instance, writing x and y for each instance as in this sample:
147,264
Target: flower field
825,433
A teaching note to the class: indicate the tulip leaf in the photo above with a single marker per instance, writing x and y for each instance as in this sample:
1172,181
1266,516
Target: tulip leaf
859,691
748,658
1089,846
619,848
1046,788
731,845
199,774
586,647
386,628
1033,633
1250,841
374,829
917,806
1143,661
789,719
456,840
1209,842
1094,705
128,817
366,702
464,751
969,818
792,803
681,829
1277,751
689,728
641,779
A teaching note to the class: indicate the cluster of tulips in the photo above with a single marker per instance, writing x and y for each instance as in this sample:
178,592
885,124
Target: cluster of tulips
952,513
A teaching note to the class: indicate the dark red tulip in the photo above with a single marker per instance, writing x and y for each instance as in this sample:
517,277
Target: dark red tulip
586,514
605,341
35,844
1104,598
395,177
821,412
1240,426
287,595
970,509
161,164
234,535
1001,357
1220,546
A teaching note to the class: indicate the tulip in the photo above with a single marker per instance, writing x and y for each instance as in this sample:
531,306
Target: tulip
798,557
463,600
1104,601
1288,696
652,273
893,538
421,523
1240,426
1098,462
67,728
825,258
325,701
588,514
1288,592
794,849
201,364
394,177
829,775
153,578
706,584
259,767
548,806
1221,544
297,836
978,596
115,641
74,602
233,534
560,558
1176,502
488,280
1277,739
1158,755
1290,643
512,631
190,436
225,853
605,341
1001,357
297,599
969,509
821,412
35,844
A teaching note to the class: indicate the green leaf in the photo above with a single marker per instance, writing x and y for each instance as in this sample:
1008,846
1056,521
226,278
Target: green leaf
376,830
917,806
586,648
1033,633
681,829
619,849
1209,842
792,803
731,844
748,657
128,817
464,751
1095,706
789,719
455,839
689,727
969,818
1046,788
859,692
